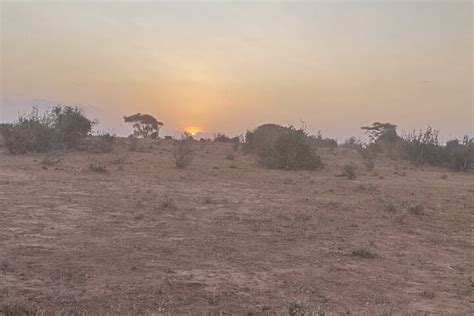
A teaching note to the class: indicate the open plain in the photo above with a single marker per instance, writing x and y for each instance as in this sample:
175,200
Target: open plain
136,235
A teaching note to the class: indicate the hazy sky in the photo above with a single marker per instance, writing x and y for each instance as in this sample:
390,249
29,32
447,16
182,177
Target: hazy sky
230,66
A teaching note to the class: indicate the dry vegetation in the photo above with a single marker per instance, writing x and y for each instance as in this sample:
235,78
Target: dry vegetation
129,232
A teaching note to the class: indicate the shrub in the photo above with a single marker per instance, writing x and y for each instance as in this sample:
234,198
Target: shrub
221,137
460,155
291,150
369,155
63,127
352,142
320,142
349,170
262,138
415,209
102,143
364,253
98,167
423,147
70,125
183,153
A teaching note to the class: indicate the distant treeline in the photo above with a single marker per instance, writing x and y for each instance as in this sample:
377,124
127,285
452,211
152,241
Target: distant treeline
277,147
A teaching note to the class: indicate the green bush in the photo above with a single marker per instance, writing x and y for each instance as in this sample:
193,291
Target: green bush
291,150
262,138
63,127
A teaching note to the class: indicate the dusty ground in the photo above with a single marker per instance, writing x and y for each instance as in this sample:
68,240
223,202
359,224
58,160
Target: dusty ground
227,236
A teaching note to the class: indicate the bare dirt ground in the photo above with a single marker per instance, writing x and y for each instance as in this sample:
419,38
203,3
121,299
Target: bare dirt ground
228,236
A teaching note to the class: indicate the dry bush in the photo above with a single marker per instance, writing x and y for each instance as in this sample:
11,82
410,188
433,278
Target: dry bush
423,147
364,252
98,167
183,153
349,170
369,155
415,208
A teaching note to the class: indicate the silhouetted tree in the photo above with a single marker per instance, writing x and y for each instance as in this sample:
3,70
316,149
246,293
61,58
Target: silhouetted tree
144,125
381,132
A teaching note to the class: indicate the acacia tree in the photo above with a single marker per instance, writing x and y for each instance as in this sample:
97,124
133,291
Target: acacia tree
144,125
381,132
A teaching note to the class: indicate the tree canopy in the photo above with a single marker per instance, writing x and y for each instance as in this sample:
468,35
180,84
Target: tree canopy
144,125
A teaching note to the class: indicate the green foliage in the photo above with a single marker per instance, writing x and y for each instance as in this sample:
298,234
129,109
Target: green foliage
70,125
144,125
291,150
63,127
261,139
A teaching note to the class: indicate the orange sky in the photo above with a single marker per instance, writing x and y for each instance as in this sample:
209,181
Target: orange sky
227,67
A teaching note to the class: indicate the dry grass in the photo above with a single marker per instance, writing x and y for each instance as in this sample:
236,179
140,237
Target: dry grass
153,239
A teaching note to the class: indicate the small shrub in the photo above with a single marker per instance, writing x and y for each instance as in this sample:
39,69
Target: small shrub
98,167
168,203
416,209
300,308
102,143
183,153
349,170
364,253
389,206
369,156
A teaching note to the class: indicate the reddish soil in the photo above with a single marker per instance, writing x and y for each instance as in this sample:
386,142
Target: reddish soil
228,236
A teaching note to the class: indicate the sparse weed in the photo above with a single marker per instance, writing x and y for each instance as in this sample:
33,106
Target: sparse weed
168,203
416,209
364,252
98,167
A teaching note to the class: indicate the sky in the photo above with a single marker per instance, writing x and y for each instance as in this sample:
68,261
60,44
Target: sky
229,66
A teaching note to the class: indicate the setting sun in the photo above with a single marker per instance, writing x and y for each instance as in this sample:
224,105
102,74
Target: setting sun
193,130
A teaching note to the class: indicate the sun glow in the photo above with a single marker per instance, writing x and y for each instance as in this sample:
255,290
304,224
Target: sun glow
193,130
